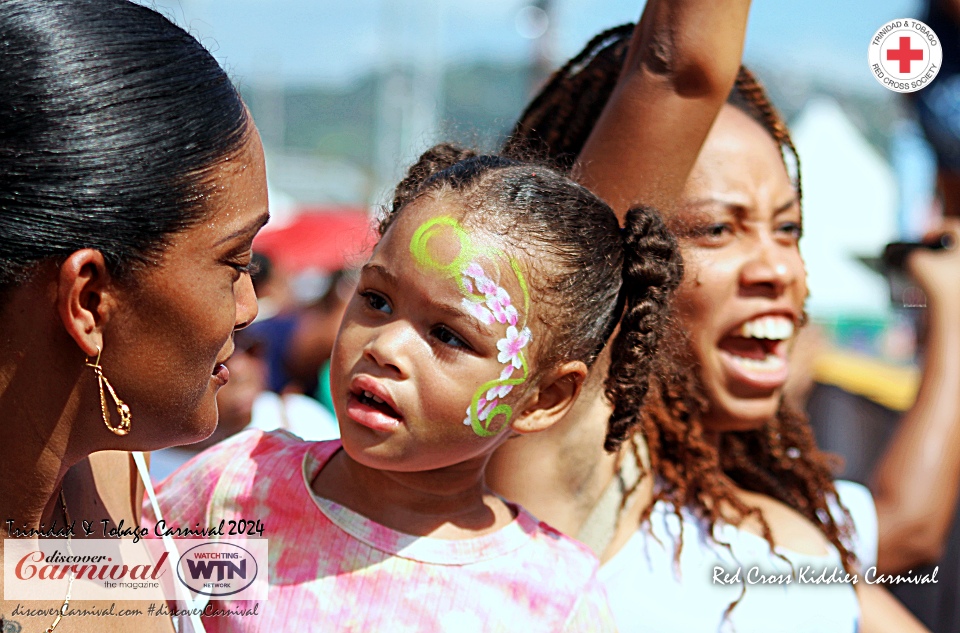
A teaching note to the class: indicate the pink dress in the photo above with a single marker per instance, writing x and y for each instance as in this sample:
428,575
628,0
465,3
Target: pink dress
331,569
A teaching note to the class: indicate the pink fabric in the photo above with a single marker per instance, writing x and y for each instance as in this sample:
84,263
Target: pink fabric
332,569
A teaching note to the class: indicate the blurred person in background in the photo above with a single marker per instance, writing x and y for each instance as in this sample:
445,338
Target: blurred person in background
274,329
296,334
308,356
272,285
917,481
938,105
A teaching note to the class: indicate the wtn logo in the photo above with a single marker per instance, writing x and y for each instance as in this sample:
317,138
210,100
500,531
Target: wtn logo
224,568
218,568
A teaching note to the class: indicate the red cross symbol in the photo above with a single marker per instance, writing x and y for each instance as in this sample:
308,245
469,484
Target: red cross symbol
905,54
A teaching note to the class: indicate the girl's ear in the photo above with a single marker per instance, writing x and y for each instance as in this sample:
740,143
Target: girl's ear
553,397
81,284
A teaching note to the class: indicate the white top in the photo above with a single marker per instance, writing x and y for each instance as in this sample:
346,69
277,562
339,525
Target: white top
301,415
648,592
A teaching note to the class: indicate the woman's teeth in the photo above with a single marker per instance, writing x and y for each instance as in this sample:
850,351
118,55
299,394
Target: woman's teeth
771,363
774,328
754,346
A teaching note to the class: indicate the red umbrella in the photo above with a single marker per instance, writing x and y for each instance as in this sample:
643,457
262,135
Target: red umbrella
324,239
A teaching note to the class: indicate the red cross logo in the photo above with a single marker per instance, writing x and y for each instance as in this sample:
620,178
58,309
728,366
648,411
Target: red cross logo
905,55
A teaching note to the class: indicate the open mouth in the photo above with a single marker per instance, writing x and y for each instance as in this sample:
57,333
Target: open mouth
368,399
757,350
371,410
221,374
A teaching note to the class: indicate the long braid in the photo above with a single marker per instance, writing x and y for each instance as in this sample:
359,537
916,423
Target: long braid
752,93
652,270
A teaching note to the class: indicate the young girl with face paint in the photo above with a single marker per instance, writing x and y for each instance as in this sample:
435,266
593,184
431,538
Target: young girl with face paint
493,288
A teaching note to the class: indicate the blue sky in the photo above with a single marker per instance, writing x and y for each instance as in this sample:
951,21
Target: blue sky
322,41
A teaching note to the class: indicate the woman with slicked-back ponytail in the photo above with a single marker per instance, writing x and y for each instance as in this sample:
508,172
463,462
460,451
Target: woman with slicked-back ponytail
131,186
717,470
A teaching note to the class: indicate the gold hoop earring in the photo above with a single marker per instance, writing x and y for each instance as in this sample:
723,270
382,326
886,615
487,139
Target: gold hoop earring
124,427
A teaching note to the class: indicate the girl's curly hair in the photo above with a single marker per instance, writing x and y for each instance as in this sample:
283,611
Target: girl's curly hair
589,274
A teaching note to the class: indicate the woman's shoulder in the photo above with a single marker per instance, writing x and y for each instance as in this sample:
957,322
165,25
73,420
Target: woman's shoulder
667,526
676,560
672,539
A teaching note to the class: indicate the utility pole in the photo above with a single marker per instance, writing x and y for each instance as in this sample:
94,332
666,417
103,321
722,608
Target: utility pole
410,86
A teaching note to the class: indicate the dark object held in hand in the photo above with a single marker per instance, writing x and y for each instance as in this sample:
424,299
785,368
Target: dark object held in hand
895,254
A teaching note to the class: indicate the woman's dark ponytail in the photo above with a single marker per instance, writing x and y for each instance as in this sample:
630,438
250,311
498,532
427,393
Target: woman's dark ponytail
113,122
652,269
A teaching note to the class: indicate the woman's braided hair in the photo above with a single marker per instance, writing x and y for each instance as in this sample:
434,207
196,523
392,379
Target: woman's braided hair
780,460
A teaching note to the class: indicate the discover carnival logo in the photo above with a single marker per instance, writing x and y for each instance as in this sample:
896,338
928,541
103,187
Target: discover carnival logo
905,55
121,569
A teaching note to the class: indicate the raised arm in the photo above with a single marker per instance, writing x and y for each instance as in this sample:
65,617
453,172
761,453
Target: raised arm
882,613
681,64
917,482
680,68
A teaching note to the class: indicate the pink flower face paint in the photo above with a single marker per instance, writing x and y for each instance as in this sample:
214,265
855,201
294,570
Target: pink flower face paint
490,304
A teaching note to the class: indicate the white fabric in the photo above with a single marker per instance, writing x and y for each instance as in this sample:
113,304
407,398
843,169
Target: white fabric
648,592
859,502
301,415
182,624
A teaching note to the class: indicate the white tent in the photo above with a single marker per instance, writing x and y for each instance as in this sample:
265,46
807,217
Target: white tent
849,208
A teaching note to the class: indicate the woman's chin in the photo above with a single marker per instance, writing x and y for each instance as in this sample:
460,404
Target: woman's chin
200,427
729,413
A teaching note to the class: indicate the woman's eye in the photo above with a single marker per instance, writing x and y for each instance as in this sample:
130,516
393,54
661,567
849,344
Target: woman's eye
377,302
717,230
244,264
250,268
447,337
793,229
711,233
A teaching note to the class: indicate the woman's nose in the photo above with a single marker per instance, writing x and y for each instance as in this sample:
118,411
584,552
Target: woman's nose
247,308
769,271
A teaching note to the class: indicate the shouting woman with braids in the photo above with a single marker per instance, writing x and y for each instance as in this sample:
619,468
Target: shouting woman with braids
681,64
738,482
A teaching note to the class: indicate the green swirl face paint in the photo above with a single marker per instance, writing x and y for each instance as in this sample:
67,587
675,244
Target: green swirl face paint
489,303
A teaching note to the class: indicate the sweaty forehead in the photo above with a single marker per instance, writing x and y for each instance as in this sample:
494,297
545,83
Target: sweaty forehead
740,158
